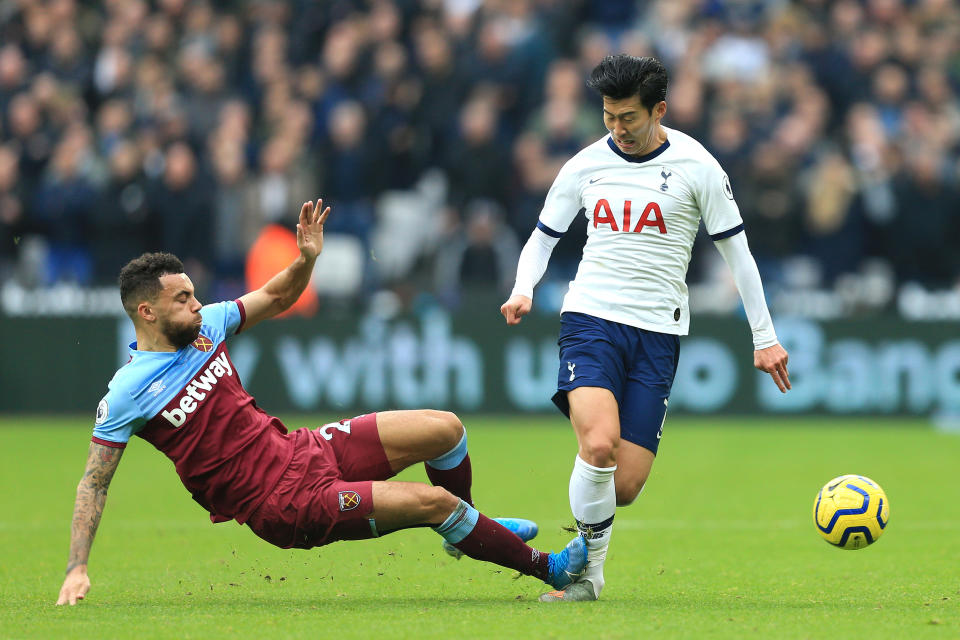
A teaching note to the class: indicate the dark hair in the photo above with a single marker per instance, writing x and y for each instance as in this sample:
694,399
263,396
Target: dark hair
140,278
621,76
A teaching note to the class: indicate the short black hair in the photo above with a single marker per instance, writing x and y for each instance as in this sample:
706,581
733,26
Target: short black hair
621,76
140,278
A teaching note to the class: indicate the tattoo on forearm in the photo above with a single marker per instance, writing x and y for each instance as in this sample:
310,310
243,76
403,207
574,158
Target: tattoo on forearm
91,496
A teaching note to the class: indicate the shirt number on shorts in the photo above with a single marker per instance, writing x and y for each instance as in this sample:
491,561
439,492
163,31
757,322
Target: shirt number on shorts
325,429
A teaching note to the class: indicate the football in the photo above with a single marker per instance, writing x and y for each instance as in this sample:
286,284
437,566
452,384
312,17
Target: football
851,512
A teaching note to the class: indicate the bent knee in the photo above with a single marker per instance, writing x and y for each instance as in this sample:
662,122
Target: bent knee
436,503
445,426
599,450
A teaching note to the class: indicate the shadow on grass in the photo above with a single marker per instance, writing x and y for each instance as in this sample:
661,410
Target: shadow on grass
260,602
271,602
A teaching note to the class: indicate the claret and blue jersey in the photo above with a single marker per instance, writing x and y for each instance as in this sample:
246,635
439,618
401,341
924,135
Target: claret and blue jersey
191,405
143,387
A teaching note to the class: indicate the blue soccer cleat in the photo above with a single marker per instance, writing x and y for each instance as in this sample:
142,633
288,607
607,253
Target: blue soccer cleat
567,565
524,529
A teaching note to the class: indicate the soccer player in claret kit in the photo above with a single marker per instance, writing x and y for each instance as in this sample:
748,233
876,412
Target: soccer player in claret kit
180,392
644,189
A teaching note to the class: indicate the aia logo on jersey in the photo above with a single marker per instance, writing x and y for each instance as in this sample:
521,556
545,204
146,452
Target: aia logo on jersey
203,343
651,217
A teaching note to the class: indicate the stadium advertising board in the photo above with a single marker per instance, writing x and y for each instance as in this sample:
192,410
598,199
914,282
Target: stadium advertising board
472,362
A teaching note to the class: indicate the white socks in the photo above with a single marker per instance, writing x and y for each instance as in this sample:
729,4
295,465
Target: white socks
593,500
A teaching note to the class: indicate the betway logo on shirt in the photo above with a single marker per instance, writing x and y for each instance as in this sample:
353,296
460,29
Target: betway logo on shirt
198,389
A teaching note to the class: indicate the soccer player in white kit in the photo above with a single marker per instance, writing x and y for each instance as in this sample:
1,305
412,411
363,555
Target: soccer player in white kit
643,189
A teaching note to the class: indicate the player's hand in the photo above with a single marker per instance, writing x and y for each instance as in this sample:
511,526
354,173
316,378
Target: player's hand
773,360
310,229
75,586
515,308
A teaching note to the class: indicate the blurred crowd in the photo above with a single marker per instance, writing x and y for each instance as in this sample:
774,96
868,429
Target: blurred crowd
435,128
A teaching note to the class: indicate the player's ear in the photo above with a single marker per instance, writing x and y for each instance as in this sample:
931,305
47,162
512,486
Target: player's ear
660,109
146,312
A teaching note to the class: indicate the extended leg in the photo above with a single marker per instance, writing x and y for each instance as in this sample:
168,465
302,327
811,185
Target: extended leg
399,505
595,418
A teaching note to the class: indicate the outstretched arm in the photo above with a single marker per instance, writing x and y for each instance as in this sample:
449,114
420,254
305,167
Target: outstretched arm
283,289
768,355
102,462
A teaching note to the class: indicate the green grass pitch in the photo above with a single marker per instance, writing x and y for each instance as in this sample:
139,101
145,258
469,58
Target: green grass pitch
721,544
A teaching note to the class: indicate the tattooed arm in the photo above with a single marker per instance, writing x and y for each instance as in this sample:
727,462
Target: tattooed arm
102,461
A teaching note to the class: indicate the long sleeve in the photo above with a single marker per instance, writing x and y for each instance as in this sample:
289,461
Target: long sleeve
533,262
736,253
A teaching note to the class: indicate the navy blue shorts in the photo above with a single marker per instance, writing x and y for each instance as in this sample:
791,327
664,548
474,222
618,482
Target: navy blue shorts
636,365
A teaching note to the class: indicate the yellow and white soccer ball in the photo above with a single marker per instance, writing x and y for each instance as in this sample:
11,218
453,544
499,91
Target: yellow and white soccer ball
851,512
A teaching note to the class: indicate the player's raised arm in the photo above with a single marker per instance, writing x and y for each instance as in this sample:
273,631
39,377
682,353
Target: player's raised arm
102,462
282,290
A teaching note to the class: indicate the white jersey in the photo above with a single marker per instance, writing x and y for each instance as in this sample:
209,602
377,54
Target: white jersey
642,218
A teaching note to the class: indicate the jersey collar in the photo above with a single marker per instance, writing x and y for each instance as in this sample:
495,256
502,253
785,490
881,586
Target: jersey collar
644,158
134,352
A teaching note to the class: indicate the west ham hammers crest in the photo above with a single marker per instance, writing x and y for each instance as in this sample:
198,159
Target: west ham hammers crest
349,500
203,343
